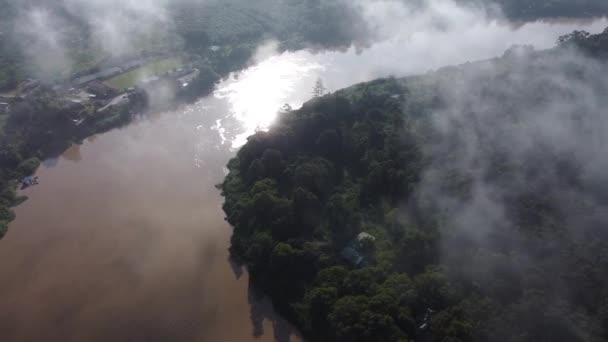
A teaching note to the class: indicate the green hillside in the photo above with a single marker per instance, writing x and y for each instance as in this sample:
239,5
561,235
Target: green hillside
479,190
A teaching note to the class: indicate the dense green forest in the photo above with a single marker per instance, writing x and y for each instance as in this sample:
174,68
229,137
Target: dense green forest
463,205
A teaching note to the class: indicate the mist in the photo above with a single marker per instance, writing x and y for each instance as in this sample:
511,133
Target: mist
394,37
414,39
53,34
516,143
408,40
516,183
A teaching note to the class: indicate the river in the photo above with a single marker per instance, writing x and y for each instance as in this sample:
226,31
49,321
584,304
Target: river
124,238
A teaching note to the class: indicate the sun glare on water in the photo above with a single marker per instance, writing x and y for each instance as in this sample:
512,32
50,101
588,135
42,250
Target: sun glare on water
257,94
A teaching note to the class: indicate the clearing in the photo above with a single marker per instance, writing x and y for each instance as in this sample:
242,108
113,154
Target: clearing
131,78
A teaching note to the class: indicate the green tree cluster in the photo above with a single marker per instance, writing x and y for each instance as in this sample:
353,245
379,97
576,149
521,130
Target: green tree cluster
364,159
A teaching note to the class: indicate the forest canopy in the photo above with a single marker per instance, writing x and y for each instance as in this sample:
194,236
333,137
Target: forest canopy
463,205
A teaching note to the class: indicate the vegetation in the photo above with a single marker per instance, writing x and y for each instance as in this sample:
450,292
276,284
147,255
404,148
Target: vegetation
525,10
438,266
237,25
44,125
131,78
216,37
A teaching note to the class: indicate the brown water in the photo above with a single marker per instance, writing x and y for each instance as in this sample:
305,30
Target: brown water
124,238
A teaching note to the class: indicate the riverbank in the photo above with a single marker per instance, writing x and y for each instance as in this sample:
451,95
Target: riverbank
124,240
42,121
147,256
396,209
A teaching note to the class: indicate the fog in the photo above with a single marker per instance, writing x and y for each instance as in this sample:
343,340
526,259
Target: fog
407,37
51,32
47,51
413,40
145,245
439,35
517,183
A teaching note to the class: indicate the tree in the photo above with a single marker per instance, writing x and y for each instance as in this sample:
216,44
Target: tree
319,89
286,108
259,252
575,37
353,319
273,162
330,144
316,176
332,277
343,220
28,166
362,281
320,301
256,171
367,246
307,209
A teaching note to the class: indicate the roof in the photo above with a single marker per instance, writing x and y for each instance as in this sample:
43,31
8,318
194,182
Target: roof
365,235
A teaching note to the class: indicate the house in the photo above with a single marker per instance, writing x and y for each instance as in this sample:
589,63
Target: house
352,253
352,256
362,236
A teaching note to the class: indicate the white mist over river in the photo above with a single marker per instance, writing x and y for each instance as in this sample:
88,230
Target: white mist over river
124,239
255,94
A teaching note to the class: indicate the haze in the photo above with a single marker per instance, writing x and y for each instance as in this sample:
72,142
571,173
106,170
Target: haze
125,238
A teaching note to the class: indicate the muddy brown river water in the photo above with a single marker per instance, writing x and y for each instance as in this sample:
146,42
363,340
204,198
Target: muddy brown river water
125,240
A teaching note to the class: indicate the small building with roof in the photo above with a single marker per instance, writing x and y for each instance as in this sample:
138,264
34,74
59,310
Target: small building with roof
352,256
352,252
363,235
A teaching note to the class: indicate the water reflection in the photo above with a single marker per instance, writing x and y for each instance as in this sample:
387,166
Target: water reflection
130,243
256,95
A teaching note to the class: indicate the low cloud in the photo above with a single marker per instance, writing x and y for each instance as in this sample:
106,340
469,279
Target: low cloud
41,39
517,176
57,35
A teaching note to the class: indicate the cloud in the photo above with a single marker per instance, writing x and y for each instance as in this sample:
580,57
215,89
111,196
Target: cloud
119,26
443,32
41,40
55,34
517,174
